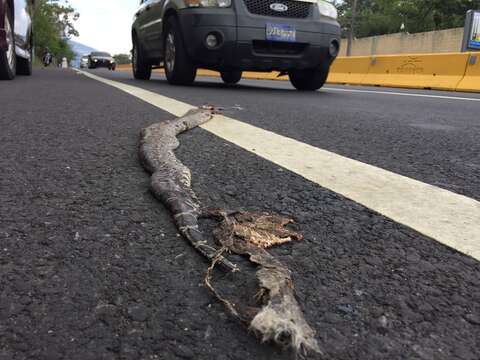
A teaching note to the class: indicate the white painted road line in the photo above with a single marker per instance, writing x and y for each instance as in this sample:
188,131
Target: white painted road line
449,218
378,92
170,105
443,97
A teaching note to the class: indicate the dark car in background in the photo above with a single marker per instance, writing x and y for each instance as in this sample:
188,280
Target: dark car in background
300,38
99,59
16,38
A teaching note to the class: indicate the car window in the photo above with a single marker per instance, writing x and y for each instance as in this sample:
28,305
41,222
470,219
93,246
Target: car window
100,54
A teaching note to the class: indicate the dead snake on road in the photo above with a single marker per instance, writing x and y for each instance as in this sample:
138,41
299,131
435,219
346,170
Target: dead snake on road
280,318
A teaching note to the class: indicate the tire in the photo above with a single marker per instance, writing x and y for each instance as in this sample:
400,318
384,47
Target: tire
309,79
142,70
8,59
231,77
179,70
24,66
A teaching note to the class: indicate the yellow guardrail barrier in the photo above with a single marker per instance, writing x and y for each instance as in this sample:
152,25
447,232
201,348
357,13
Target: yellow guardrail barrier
449,71
349,70
471,80
432,71
204,72
247,75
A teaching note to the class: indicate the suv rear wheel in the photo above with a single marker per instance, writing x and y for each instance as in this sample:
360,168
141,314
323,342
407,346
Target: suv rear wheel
309,79
231,77
8,59
141,69
178,67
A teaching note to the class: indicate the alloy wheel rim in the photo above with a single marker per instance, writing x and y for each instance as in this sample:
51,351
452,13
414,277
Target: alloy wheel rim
10,43
170,52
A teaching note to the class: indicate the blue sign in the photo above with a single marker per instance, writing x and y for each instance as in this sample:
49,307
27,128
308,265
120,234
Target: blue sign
474,38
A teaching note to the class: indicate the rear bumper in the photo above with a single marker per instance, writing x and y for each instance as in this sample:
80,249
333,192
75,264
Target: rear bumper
243,45
3,40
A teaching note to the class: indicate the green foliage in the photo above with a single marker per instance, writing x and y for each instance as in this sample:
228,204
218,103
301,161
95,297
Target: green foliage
53,24
122,59
377,17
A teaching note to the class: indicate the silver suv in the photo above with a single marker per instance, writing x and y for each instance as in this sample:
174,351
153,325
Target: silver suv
300,38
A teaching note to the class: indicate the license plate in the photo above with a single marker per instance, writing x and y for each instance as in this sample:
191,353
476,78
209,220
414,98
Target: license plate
280,32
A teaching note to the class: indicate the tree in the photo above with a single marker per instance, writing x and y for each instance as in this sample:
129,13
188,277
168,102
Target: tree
377,17
122,58
53,24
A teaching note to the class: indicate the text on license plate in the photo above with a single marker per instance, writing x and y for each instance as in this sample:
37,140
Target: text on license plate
280,32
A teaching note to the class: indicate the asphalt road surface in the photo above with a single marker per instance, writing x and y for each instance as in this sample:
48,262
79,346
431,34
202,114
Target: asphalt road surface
92,267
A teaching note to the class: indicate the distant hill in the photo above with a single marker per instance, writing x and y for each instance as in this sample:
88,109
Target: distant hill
80,50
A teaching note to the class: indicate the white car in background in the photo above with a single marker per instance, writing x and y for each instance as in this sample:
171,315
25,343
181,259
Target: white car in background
84,62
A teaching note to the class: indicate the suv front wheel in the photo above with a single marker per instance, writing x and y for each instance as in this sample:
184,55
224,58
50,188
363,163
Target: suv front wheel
309,79
178,67
231,77
141,69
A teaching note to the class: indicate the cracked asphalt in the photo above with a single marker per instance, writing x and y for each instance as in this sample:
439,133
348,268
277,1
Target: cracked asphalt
91,266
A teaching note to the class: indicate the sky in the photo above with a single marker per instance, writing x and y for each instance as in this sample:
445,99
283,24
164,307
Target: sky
105,24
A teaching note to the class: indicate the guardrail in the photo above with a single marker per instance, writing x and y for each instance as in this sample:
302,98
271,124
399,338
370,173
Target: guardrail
447,71
471,80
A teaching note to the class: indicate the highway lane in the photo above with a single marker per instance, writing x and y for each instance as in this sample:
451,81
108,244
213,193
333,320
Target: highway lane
127,287
434,140
222,165
449,218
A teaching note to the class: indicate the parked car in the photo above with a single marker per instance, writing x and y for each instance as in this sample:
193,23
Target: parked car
84,62
101,59
16,38
298,38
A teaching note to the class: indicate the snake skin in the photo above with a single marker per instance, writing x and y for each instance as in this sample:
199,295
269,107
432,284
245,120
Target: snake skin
171,180
280,319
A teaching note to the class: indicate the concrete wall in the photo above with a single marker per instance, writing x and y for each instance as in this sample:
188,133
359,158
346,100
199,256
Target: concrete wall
402,43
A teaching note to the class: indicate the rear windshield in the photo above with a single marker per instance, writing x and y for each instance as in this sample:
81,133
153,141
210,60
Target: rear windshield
100,54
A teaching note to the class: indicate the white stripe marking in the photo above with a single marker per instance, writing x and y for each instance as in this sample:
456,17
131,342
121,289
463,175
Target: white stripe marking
403,94
449,218
444,97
